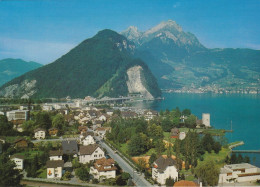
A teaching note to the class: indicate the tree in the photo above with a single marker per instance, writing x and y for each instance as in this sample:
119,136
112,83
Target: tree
82,173
207,142
152,159
75,163
186,112
9,176
58,121
208,172
191,121
137,144
169,182
217,147
6,127
159,146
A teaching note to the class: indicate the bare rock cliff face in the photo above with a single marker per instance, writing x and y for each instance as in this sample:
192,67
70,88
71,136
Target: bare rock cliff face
26,88
135,84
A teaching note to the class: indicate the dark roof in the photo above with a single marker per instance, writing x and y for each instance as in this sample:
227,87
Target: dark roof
17,156
54,163
69,147
128,114
163,163
88,149
55,153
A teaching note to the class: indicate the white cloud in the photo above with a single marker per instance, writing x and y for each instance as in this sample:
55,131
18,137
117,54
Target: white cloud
39,51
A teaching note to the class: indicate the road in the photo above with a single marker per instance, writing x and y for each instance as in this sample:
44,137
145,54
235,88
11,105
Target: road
53,140
138,179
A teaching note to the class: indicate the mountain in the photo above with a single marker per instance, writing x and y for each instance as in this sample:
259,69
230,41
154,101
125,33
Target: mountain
11,68
100,66
181,62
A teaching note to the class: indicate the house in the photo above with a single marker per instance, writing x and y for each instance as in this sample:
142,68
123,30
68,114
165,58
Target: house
109,112
26,107
104,169
102,117
54,168
82,129
17,114
175,133
186,183
243,172
87,138
164,168
90,153
21,143
55,154
150,114
101,131
128,114
69,147
47,107
39,133
53,131
18,160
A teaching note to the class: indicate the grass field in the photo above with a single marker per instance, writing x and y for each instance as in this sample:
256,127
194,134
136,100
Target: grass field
218,158
29,153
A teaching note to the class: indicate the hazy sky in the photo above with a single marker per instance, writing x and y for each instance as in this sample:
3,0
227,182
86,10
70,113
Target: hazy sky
43,30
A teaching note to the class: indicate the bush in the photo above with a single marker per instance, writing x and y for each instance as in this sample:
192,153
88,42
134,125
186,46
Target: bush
82,173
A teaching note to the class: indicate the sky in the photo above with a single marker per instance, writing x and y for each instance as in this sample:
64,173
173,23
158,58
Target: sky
44,30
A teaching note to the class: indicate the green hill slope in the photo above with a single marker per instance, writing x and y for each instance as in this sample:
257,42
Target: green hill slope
95,67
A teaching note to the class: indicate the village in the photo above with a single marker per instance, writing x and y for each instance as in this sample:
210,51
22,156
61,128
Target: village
81,142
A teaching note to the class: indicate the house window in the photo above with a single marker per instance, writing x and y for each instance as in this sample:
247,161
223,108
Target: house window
95,155
100,155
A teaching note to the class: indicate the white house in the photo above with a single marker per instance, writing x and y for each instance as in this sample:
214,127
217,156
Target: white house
87,138
54,168
18,160
55,155
39,133
243,172
150,114
103,169
206,119
17,115
164,168
47,107
90,153
101,131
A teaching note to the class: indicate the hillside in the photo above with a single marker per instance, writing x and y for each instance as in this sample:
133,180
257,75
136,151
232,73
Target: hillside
181,62
11,68
96,67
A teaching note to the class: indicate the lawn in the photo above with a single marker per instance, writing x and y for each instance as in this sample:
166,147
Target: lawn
188,175
29,153
42,172
218,158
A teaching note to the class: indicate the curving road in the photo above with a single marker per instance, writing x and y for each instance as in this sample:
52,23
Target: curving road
139,180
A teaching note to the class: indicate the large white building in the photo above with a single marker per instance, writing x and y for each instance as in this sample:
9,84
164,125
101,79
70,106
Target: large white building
17,115
18,160
54,168
164,168
90,153
103,169
206,119
243,172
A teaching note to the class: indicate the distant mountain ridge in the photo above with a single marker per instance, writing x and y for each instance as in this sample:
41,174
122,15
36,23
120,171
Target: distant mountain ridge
11,68
99,66
180,62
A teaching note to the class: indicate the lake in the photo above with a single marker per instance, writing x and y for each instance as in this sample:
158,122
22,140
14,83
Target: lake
242,109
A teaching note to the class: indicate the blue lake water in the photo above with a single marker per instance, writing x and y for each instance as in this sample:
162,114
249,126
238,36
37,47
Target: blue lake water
243,110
